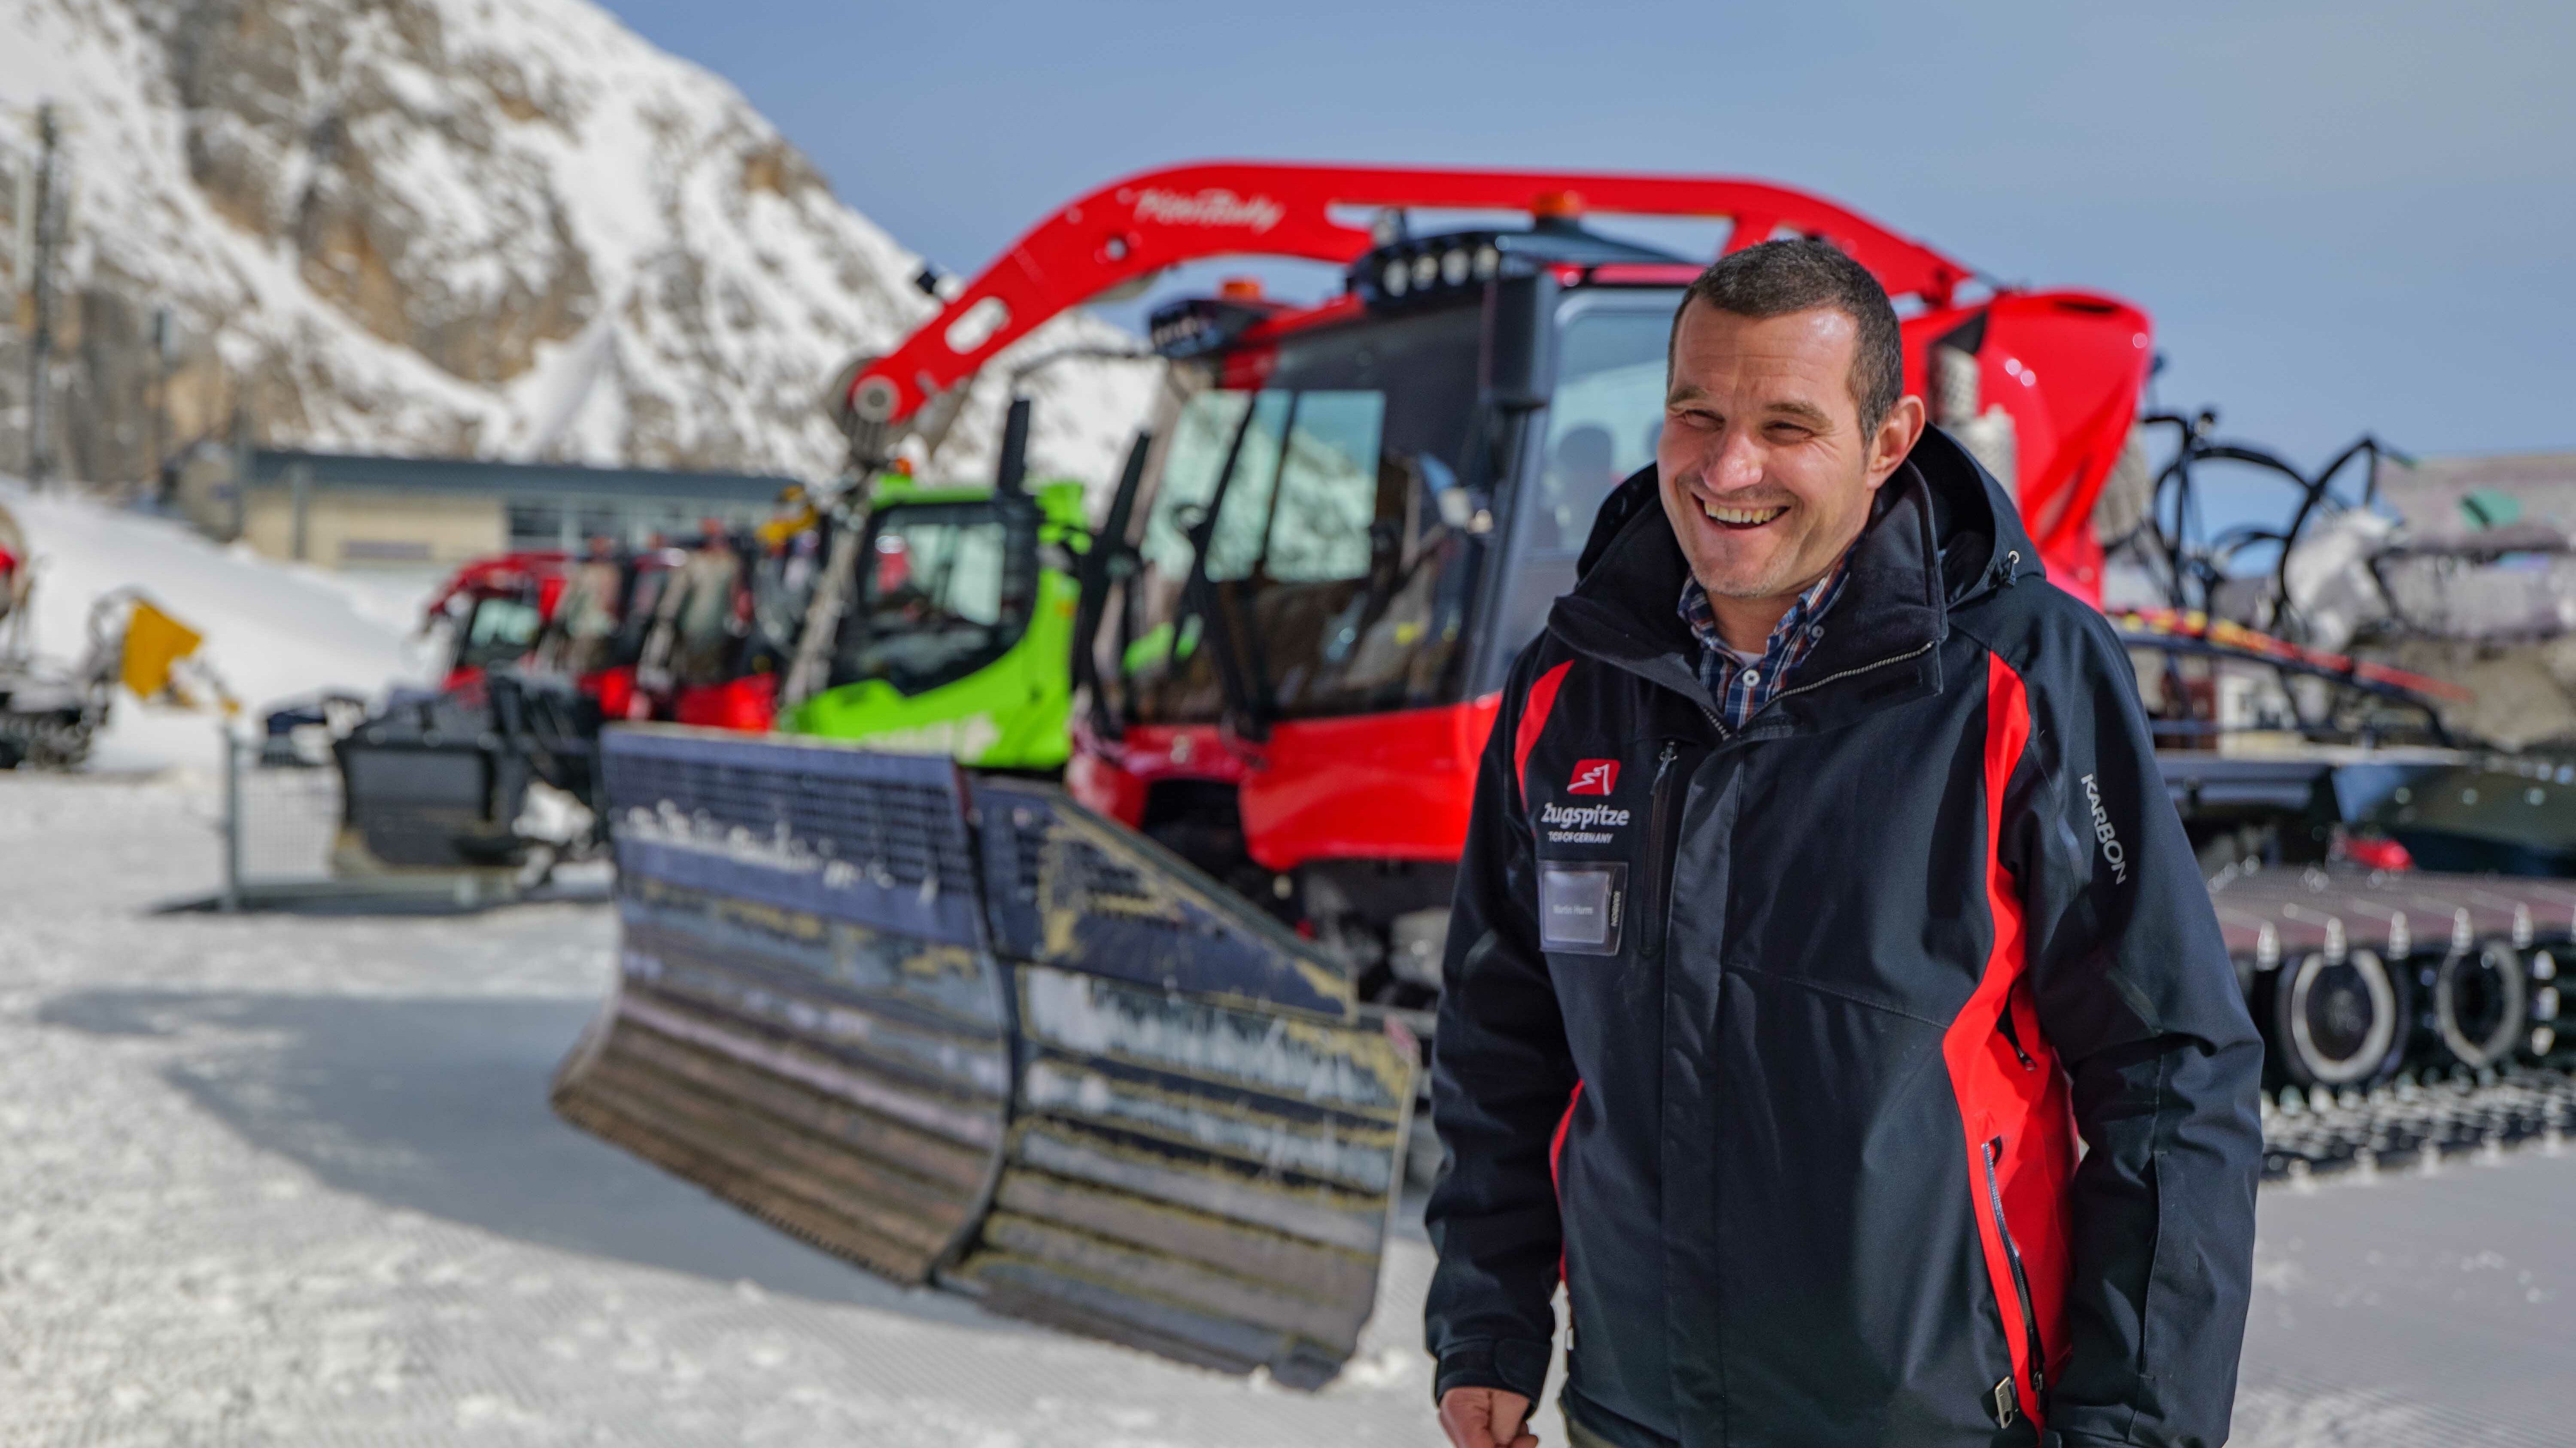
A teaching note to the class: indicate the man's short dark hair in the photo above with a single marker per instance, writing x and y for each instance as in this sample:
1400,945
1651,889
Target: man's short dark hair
1777,278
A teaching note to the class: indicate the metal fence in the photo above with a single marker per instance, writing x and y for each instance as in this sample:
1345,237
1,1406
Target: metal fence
281,811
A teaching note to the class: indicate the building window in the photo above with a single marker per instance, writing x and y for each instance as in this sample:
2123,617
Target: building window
383,550
536,523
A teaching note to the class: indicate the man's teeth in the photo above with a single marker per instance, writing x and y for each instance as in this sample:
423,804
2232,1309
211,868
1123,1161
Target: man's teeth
1740,517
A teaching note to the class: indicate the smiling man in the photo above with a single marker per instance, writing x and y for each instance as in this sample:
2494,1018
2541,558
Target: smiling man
1821,896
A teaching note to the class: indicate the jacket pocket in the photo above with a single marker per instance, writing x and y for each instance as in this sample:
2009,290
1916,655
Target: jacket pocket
2036,1355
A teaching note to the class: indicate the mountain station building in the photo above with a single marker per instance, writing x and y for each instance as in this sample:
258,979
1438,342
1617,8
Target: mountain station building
345,511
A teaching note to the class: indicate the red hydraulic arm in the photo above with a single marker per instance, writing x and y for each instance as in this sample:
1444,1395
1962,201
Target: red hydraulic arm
1138,226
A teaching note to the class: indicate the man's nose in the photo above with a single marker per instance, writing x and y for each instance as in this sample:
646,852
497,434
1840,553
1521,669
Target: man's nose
1732,460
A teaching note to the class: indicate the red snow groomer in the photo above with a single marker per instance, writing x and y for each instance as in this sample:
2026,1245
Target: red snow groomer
1134,1059
540,647
1136,1056
663,632
493,610
1356,514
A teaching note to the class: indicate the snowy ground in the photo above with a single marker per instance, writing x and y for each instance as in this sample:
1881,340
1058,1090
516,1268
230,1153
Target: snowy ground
2417,1310
293,1180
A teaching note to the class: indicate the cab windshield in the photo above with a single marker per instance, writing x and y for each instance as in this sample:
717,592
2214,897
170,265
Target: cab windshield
499,631
1603,420
1333,518
1328,506
942,593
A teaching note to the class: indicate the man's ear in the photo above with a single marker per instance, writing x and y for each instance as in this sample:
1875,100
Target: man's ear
1897,434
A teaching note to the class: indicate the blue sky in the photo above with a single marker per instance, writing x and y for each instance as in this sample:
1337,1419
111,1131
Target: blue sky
2343,217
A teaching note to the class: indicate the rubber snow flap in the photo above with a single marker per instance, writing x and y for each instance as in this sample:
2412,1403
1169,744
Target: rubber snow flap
422,801
438,783
959,1030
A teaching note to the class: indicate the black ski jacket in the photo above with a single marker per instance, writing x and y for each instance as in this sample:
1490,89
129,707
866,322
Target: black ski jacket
1778,1044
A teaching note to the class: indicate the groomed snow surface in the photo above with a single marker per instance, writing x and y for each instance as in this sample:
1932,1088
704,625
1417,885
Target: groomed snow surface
278,1179
293,1180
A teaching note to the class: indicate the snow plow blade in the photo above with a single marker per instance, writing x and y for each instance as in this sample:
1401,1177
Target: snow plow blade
961,1031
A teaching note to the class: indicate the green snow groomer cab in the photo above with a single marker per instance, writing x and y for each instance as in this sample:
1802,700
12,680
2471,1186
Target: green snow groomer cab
958,638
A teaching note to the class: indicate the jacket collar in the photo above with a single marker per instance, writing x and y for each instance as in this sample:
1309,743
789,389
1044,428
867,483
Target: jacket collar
1941,534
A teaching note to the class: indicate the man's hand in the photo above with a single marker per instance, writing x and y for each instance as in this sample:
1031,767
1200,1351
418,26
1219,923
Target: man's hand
1485,1418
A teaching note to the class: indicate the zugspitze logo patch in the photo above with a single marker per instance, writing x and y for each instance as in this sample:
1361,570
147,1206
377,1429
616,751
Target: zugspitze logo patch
1594,776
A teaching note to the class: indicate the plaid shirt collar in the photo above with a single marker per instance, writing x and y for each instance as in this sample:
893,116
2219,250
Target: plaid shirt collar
1740,690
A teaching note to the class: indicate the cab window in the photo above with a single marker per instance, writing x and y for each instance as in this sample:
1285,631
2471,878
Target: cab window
1603,420
500,631
944,590
1329,505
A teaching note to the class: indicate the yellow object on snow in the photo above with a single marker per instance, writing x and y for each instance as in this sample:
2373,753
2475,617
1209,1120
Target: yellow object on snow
153,642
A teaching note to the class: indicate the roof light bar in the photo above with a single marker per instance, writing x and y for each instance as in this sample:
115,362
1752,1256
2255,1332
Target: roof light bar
1422,270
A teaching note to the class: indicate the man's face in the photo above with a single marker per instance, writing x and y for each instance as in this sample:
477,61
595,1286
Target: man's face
1765,472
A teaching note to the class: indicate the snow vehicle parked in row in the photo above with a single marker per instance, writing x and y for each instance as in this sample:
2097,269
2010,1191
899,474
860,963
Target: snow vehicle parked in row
2319,786
958,637
490,611
51,712
944,628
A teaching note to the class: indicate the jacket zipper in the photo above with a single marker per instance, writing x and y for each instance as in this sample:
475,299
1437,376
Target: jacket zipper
2021,1279
1658,869
1847,673
2012,1035
1726,734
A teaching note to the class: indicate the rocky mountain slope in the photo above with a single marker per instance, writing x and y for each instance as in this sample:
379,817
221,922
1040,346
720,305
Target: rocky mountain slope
499,228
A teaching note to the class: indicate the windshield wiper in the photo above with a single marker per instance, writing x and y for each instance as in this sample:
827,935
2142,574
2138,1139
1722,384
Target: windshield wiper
1107,559
1239,714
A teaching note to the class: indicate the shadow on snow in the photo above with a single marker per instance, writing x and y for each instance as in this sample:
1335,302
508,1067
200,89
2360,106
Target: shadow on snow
439,1106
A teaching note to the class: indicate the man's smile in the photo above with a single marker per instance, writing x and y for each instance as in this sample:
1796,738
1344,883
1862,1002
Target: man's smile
1740,518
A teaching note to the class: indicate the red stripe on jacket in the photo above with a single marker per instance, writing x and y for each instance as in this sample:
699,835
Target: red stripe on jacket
1542,702
2025,1107
1556,1167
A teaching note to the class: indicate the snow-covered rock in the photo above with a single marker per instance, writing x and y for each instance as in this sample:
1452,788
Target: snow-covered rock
500,228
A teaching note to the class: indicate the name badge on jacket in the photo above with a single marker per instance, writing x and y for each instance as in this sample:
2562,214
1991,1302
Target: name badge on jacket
1580,906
